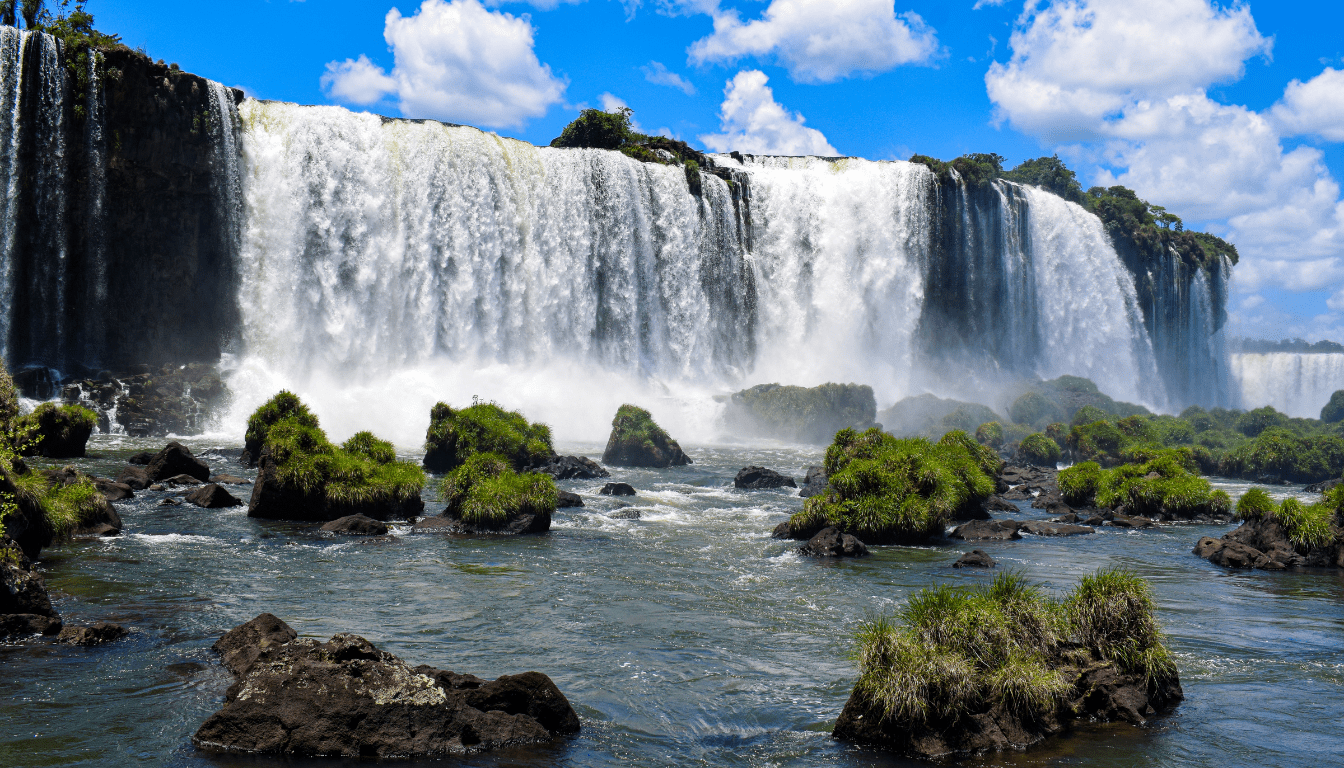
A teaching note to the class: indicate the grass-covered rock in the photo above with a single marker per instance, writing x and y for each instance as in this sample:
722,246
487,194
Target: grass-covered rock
303,476
637,441
932,417
1003,666
802,414
59,431
1039,450
486,495
456,435
990,434
1278,535
42,508
285,405
1332,412
889,490
1163,488
1276,453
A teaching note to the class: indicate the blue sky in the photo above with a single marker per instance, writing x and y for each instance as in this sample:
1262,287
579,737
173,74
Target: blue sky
1229,114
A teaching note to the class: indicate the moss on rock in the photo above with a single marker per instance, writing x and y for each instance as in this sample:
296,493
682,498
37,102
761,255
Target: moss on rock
802,414
59,431
456,435
637,441
485,494
1039,450
1164,488
284,405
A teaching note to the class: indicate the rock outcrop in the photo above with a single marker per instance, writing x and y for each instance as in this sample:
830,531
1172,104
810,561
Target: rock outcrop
1004,530
356,525
99,633
617,489
976,558
814,482
176,459
345,698
831,542
25,608
1264,543
213,496
637,441
759,478
572,468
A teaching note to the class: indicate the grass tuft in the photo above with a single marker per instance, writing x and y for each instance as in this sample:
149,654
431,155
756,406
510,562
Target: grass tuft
455,435
486,492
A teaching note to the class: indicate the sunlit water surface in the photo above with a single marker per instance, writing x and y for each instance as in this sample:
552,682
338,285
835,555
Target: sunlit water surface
685,637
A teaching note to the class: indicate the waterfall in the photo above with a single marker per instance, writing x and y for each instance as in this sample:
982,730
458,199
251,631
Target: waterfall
94,333
44,287
1296,383
12,42
226,165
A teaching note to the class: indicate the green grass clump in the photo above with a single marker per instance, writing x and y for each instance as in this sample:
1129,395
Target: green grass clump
486,492
456,435
954,651
888,490
633,425
307,461
59,431
1040,450
1254,504
1078,484
1307,525
1164,486
284,405
370,447
990,433
1278,452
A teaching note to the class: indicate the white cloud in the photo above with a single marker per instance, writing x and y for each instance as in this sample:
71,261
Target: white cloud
1314,107
455,61
753,122
658,74
821,41
1127,80
1336,302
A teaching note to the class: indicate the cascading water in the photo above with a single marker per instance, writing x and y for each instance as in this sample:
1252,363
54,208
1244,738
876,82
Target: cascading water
1298,384
94,333
12,42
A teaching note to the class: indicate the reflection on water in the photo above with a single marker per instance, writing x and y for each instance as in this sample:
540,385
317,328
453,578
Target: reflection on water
686,636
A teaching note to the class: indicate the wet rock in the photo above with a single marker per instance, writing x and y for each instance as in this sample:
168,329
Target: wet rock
1263,543
1039,528
1048,499
760,478
95,634
176,459
1124,521
627,513
830,542
976,558
112,490
782,531
814,482
213,496
987,530
567,499
617,489
143,458
520,524
572,468
230,480
299,698
136,478
1068,517
636,441
17,625
22,588
998,504
1019,493
180,480
356,525
170,503
1323,486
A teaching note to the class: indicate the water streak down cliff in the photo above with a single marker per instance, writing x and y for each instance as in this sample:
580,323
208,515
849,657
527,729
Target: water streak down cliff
116,248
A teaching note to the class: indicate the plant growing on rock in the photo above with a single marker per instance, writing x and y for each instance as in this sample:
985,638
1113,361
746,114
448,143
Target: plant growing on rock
1005,653
284,405
887,490
1307,525
486,493
456,435
62,431
1040,450
1163,488
990,433
637,441
1333,412
1278,452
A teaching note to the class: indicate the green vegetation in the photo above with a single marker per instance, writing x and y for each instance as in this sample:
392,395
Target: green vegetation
486,492
61,431
955,651
885,489
989,434
804,414
285,405
1040,450
456,435
363,472
1333,412
1162,487
596,129
1307,525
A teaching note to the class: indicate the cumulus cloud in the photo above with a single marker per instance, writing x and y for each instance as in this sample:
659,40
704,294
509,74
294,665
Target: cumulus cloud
821,41
753,122
1314,107
1128,80
455,61
658,74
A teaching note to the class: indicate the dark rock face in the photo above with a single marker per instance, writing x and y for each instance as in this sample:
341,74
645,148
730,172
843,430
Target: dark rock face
757,478
95,634
180,480
987,530
572,468
1263,543
617,489
814,482
1038,528
112,490
830,542
25,608
445,523
176,459
998,504
301,698
1098,690
273,499
213,496
229,480
567,499
1322,487
136,478
142,458
356,525
976,558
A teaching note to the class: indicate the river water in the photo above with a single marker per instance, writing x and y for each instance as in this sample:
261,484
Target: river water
684,637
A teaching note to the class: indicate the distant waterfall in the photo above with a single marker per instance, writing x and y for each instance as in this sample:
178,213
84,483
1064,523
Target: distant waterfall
12,43
1298,384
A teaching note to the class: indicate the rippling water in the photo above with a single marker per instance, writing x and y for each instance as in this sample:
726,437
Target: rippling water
685,637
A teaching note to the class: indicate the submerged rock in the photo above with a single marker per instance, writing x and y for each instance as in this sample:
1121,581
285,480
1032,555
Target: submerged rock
95,634
572,468
976,558
213,496
356,525
759,478
987,530
637,441
617,489
345,698
830,542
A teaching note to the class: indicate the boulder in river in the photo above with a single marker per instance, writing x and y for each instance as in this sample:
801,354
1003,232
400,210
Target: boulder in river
142,458
356,525
830,542
230,480
135,478
176,459
998,504
112,490
617,489
99,633
456,434
814,482
25,608
987,530
976,558
637,441
213,496
298,697
758,478
567,499
572,468
61,431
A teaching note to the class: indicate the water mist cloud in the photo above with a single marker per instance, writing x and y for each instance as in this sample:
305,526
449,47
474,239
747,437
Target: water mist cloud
455,61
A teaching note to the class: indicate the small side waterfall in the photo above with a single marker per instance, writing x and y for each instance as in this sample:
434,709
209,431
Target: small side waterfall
94,332
12,43
1296,383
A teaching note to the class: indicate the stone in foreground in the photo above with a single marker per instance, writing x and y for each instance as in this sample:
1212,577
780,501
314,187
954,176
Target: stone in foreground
213,496
617,489
345,698
25,608
758,478
95,634
356,525
831,542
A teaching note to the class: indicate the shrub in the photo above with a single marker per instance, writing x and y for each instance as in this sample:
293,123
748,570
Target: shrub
486,492
1277,452
596,129
1161,487
366,445
1252,423
1098,441
955,651
284,405
1332,413
1040,450
990,433
889,490
1058,431
456,435
1033,409
1078,484
1307,525
1254,504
